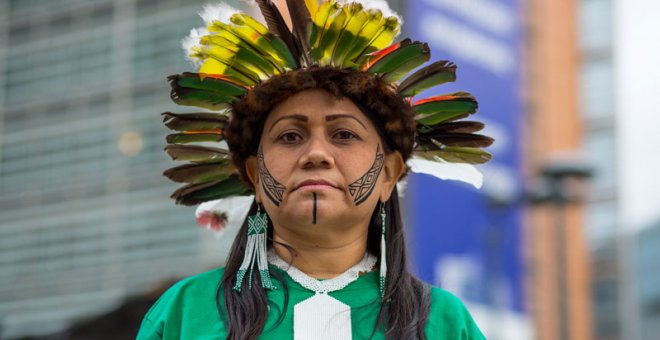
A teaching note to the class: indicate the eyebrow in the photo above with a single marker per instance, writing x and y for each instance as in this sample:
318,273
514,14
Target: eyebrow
297,117
340,116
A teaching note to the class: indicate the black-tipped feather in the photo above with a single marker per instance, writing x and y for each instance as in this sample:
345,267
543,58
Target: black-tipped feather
185,138
194,121
193,194
277,25
458,139
434,74
453,127
300,21
199,173
196,153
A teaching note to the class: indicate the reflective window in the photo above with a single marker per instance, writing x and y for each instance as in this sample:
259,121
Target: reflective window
597,89
600,222
595,23
600,151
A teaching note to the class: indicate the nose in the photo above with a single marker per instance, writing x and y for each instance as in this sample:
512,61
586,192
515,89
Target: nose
317,154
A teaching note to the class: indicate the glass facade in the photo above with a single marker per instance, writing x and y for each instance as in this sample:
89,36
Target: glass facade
647,252
83,225
597,102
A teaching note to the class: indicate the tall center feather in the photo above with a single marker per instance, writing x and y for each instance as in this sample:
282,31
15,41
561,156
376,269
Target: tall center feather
300,22
276,24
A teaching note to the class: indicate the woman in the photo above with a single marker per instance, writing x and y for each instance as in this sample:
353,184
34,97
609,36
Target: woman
322,253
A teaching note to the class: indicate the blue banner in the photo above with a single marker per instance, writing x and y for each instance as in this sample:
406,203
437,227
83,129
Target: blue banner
465,240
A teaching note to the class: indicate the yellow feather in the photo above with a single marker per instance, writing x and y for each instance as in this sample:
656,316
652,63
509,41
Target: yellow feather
213,66
312,6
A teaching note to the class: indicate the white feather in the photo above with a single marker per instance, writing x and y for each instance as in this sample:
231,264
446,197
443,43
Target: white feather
401,187
191,41
220,11
235,208
381,5
447,171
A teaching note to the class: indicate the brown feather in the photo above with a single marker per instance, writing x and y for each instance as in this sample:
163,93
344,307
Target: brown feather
194,121
196,153
199,173
442,70
301,21
277,25
456,127
192,194
185,194
456,139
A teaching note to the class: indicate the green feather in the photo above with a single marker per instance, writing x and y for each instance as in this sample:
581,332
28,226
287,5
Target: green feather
456,154
327,44
199,173
372,26
193,194
197,153
381,38
200,121
320,23
456,139
435,110
227,52
227,57
185,138
401,59
257,36
200,98
356,19
216,84
437,73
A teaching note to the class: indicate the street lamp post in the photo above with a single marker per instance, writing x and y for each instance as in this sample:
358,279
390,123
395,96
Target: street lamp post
560,184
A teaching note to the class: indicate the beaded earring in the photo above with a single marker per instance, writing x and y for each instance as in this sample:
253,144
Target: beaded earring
255,250
383,258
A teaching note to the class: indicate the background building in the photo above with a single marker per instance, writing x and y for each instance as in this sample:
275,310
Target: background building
83,219
619,108
558,263
646,254
597,95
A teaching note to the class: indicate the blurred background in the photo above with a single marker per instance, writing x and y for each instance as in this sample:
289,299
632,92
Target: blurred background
562,242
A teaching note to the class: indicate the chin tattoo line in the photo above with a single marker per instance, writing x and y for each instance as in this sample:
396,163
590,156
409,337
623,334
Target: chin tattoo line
273,189
364,186
314,210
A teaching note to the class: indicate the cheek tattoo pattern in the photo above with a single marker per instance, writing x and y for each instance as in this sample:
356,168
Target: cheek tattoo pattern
364,186
274,189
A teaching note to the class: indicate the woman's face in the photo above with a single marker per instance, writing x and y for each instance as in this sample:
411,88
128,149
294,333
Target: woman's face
321,162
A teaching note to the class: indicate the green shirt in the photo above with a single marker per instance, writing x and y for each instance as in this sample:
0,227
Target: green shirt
188,311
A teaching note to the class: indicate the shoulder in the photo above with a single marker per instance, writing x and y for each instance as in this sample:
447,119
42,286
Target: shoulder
449,318
188,301
194,287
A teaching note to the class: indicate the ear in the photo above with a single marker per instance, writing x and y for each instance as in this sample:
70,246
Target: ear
252,171
393,169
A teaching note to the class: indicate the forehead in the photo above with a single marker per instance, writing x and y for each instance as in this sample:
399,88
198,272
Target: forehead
317,104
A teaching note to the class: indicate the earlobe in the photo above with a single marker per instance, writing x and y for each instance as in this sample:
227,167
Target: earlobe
392,171
252,171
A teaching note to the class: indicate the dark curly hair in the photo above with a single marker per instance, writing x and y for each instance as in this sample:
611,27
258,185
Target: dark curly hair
392,115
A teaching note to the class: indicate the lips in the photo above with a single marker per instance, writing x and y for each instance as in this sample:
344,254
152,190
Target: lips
312,184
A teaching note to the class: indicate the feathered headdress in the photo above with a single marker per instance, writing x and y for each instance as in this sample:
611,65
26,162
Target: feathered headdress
236,54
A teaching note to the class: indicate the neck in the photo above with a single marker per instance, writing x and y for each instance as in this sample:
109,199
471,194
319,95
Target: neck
320,262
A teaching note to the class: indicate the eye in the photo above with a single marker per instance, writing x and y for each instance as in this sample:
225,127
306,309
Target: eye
290,137
345,135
